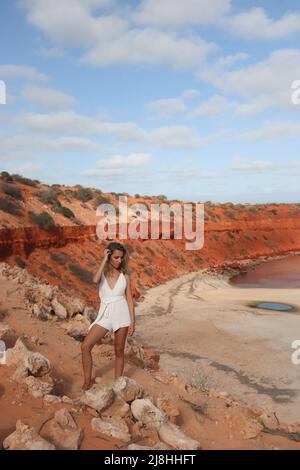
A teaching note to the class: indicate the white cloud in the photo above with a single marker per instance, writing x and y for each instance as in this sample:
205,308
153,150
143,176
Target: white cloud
150,46
255,24
176,13
167,106
274,130
71,22
117,165
216,104
110,39
17,143
189,94
242,165
175,137
267,84
69,122
48,98
21,71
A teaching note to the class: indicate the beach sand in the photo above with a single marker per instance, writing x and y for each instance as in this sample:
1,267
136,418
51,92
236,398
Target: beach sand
203,329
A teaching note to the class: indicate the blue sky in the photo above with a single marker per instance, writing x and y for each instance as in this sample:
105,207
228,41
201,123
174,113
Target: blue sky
188,99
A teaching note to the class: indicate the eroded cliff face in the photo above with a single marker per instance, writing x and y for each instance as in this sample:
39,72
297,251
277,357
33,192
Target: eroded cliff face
70,252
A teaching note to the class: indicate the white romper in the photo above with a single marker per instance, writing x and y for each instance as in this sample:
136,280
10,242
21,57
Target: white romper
114,311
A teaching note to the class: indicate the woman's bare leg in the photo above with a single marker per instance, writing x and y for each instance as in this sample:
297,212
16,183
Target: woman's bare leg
94,335
120,338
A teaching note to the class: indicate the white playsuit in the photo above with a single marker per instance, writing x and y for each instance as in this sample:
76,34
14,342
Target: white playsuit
113,312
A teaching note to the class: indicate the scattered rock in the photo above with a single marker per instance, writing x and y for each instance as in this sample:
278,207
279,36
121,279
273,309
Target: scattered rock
26,438
128,389
145,411
172,435
98,397
113,426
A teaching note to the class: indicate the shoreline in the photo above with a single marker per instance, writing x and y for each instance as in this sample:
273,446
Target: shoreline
212,338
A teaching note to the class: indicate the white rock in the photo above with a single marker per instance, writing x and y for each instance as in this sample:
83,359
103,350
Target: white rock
145,411
26,438
128,389
172,435
98,397
113,426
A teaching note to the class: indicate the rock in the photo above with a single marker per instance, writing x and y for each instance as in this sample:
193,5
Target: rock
90,314
145,411
17,354
59,309
172,435
118,408
20,373
66,399
52,399
140,355
26,438
158,446
63,431
128,389
77,327
5,332
42,312
72,304
37,387
113,426
37,364
98,397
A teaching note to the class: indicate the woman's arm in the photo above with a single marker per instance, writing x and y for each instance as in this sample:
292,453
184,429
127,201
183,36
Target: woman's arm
128,294
97,275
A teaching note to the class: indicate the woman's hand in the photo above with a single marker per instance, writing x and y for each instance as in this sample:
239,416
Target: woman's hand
107,252
131,328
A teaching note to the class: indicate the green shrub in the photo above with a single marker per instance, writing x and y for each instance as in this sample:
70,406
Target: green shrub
47,196
66,212
44,220
20,262
6,176
12,190
23,180
81,273
7,204
60,258
84,194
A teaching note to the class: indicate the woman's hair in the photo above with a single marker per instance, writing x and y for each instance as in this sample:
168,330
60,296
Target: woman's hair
124,266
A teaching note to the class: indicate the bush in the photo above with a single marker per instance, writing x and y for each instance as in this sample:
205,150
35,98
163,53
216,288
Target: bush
84,194
60,258
47,196
12,191
66,212
81,273
23,180
20,262
44,220
8,205
99,199
6,176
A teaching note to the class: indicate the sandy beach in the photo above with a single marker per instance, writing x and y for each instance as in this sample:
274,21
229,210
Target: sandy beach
203,329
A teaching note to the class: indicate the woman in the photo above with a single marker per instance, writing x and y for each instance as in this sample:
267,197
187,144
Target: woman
116,310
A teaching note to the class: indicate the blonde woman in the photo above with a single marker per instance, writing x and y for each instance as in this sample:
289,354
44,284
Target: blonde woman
116,312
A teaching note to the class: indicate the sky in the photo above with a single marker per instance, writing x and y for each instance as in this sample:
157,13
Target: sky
190,99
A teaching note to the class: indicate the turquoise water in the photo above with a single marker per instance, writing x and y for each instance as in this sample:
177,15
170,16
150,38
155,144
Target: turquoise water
275,306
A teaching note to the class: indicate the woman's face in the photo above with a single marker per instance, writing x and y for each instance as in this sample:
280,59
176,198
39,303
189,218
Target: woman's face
116,258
